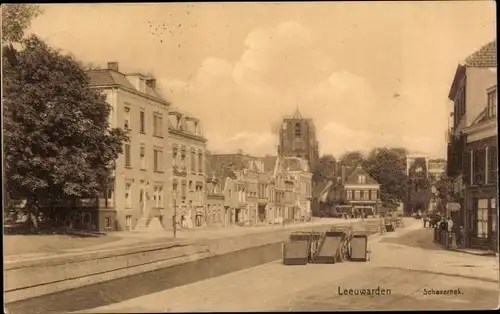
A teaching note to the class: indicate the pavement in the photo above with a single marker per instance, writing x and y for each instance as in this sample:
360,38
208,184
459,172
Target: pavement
407,271
142,238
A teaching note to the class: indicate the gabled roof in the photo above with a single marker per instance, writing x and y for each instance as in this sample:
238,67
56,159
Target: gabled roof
485,57
353,177
112,78
269,163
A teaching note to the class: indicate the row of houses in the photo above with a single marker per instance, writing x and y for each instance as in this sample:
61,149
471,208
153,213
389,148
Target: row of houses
165,170
473,148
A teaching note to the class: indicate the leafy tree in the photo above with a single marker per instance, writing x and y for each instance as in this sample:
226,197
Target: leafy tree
352,159
420,186
16,18
325,169
388,168
58,143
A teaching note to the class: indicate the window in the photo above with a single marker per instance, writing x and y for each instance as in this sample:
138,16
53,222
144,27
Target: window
357,195
374,195
200,163
479,166
482,218
128,162
158,196
183,191
142,118
183,158
157,160
349,194
494,214
107,222
157,124
362,179
492,165
297,129
492,103
193,161
128,221
126,118
143,157
190,185
128,195
174,156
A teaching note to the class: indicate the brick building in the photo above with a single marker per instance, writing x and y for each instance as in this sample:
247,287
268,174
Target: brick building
297,138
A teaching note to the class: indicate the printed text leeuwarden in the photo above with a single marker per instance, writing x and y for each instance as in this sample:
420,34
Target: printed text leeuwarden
364,291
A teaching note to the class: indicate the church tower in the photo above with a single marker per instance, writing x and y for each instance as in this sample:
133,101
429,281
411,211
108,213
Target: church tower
298,139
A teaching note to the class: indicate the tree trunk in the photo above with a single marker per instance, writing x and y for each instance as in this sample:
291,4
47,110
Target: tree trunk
32,213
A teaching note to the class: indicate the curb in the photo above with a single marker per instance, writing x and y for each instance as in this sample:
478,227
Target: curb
486,254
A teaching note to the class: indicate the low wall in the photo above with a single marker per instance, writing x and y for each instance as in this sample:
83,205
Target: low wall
37,277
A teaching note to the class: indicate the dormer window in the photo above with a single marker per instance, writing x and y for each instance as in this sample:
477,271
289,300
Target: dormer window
142,85
361,179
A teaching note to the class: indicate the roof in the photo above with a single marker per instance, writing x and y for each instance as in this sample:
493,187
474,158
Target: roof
353,177
269,163
111,78
485,57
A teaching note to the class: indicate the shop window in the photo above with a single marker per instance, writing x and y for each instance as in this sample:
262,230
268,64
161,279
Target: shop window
482,218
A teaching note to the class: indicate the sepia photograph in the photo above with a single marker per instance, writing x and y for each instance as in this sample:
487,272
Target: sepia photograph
249,156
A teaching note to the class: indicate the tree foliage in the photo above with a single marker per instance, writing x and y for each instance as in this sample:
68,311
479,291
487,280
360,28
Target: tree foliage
352,159
388,167
325,169
16,18
420,186
58,143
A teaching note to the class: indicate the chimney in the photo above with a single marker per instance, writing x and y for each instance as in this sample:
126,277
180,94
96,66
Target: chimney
113,66
151,83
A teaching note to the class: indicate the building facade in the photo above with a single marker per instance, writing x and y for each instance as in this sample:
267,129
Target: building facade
468,97
138,188
362,192
187,155
481,178
297,138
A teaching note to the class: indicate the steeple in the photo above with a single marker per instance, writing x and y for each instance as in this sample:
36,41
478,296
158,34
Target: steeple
297,115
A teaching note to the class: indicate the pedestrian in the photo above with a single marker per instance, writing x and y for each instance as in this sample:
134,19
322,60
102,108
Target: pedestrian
426,220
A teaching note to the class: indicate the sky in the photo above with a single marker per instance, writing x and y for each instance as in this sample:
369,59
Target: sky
370,74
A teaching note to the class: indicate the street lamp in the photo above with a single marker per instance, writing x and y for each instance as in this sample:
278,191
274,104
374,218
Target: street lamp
174,216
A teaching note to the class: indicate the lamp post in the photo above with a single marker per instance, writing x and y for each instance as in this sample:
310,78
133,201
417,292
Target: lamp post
174,216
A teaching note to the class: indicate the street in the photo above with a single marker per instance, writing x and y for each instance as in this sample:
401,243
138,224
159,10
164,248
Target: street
407,266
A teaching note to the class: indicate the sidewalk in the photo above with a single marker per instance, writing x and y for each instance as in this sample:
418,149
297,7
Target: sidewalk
143,238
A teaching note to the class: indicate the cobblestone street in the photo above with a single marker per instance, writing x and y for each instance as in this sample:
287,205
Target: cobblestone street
400,264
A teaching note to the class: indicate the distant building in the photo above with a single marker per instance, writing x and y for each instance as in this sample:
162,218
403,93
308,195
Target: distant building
298,139
187,152
246,170
354,188
137,190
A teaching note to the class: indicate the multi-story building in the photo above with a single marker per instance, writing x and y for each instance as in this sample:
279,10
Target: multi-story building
297,182
298,139
481,177
436,168
362,191
276,190
468,94
187,151
216,211
137,190
246,169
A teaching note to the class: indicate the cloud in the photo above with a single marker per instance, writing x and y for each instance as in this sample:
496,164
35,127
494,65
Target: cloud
241,104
